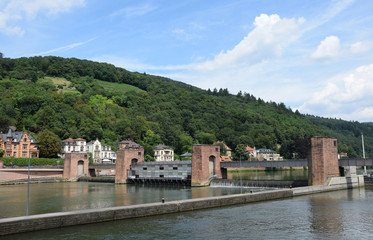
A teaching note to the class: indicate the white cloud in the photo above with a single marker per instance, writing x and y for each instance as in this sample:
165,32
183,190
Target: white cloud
351,93
64,48
191,31
328,48
268,39
361,47
17,11
139,10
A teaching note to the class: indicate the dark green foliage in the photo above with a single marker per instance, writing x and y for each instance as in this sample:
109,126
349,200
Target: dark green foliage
49,144
33,161
93,102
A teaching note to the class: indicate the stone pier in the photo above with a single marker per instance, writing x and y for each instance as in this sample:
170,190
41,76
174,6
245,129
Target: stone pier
323,160
129,153
205,164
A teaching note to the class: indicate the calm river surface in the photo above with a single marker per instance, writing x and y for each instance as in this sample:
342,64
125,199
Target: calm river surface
346,214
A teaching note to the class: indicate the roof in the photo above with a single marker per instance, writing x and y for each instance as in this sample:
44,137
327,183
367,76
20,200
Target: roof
16,136
128,144
162,147
264,150
225,158
186,155
249,149
71,140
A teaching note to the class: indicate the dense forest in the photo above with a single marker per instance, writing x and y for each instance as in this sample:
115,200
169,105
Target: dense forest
56,98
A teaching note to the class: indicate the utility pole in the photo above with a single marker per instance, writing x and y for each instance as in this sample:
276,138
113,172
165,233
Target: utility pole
362,142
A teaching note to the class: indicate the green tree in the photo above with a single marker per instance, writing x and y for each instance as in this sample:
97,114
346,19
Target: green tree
240,152
205,138
49,144
185,143
2,152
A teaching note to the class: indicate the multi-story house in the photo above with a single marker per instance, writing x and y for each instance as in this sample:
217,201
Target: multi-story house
18,144
268,154
73,145
251,151
100,153
163,153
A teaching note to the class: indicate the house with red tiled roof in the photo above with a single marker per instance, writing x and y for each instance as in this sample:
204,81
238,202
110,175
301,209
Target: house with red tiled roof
225,159
251,151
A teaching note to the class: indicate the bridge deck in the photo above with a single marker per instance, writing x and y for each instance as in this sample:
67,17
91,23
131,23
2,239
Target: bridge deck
291,163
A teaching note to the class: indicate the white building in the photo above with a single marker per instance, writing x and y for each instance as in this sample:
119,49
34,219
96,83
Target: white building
100,153
73,145
163,153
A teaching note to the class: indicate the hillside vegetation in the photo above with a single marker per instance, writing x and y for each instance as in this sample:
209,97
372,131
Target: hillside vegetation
79,98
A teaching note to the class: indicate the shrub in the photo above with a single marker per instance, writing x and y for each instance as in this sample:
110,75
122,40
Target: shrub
33,161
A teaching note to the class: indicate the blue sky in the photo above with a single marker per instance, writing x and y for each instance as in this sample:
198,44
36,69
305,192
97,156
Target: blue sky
314,56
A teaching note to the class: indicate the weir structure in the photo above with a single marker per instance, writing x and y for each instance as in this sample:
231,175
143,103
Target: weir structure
75,165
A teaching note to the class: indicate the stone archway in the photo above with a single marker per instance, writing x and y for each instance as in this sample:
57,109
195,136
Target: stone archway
134,161
212,166
80,168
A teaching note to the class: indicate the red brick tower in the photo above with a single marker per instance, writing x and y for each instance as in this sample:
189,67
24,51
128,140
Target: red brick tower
128,153
323,160
205,164
75,165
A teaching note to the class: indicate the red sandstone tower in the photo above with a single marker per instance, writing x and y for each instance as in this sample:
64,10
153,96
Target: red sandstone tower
128,154
75,165
205,164
323,160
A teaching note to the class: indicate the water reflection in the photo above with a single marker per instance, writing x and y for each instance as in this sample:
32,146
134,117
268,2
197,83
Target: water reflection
335,215
58,197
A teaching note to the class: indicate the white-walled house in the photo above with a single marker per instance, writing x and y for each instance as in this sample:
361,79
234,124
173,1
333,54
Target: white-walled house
100,153
163,153
73,145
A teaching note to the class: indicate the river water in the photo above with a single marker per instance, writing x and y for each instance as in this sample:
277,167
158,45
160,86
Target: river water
346,214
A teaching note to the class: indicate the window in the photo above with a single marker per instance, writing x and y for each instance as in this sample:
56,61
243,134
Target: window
161,168
15,147
174,168
25,139
144,168
139,154
216,149
8,147
24,146
24,154
81,148
335,143
8,154
14,154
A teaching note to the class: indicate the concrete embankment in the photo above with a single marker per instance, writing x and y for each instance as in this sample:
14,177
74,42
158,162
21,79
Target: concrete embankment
64,219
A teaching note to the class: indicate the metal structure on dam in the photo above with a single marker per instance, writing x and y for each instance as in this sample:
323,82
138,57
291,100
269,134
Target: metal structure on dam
292,163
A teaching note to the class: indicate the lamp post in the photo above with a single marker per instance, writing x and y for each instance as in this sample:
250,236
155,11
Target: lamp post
28,181
240,175
362,143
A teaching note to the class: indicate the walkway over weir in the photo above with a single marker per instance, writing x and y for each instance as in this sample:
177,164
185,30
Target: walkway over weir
291,163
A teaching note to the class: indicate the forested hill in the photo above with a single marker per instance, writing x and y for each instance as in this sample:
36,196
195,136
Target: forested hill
79,98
